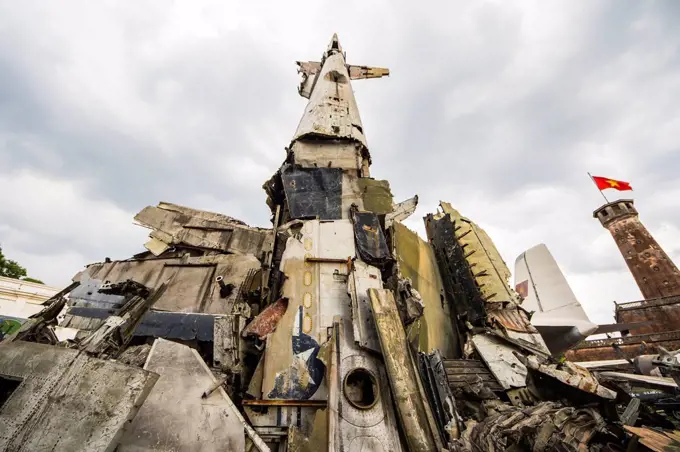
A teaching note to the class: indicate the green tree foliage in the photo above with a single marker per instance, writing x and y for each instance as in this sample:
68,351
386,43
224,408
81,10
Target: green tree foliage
12,269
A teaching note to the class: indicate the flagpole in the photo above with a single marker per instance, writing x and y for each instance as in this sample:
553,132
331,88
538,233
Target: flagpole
591,178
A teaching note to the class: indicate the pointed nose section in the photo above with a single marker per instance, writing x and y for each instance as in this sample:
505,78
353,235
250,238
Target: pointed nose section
334,45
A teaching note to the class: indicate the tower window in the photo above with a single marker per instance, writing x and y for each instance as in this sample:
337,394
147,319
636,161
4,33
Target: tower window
656,269
638,241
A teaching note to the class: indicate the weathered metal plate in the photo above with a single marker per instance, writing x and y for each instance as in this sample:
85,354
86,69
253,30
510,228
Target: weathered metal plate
463,372
362,278
313,192
503,364
370,239
402,374
67,400
175,416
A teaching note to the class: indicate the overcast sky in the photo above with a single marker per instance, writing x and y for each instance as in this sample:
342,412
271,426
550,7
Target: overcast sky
499,107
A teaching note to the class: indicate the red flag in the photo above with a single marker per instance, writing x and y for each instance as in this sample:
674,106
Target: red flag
604,183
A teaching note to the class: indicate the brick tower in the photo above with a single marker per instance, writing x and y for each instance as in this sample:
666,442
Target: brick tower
655,273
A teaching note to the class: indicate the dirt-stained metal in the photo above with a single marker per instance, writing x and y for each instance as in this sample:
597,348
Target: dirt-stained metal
545,427
658,441
572,375
401,372
513,319
417,262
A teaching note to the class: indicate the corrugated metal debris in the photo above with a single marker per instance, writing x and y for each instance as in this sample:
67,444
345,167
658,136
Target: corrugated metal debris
338,328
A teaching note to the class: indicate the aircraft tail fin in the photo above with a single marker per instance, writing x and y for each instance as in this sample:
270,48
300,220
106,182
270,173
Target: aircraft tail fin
539,280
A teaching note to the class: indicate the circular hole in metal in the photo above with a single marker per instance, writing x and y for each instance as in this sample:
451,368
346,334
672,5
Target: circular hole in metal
361,388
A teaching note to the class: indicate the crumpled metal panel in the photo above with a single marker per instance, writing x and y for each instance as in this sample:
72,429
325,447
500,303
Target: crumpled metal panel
175,225
265,322
370,239
501,360
191,287
434,374
461,373
547,426
313,192
513,319
67,400
572,375
461,287
292,369
658,441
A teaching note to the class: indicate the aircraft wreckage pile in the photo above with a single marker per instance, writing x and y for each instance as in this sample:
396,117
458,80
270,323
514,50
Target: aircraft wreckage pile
336,329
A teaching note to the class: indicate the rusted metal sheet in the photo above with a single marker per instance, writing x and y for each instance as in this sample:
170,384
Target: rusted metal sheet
513,319
313,192
266,321
369,239
462,290
630,346
440,396
402,374
572,375
663,314
656,440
